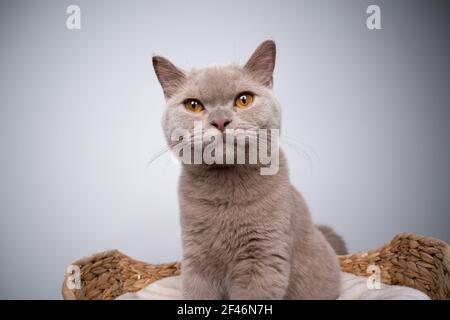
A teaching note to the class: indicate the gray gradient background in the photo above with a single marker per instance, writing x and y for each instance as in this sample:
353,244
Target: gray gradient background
80,117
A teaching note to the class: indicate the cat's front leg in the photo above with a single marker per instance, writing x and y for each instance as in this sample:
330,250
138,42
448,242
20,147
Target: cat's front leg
197,287
260,280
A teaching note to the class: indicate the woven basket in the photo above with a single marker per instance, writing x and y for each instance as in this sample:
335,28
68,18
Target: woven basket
410,260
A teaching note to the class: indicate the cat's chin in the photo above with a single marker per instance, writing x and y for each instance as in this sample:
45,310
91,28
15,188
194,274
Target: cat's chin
221,167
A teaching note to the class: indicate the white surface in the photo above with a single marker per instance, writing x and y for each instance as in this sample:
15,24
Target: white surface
353,288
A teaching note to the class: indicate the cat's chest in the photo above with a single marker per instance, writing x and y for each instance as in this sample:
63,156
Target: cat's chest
222,223
216,239
224,214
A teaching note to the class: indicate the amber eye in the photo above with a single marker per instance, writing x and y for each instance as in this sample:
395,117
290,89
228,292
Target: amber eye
193,105
244,100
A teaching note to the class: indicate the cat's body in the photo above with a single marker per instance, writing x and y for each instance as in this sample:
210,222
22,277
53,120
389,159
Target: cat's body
245,235
248,236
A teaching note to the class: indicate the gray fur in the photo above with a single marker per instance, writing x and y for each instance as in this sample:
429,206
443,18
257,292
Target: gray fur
335,240
245,235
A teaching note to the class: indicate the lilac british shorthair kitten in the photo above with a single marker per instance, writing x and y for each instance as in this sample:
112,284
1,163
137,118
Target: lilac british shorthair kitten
245,235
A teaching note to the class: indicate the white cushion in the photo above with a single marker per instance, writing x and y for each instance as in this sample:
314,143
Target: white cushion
352,288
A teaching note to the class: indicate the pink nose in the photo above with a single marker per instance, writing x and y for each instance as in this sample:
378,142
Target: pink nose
220,123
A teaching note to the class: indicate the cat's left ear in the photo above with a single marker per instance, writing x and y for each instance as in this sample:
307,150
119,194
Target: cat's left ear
262,63
170,77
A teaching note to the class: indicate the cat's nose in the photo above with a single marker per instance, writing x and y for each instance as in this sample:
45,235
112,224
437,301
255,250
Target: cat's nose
220,123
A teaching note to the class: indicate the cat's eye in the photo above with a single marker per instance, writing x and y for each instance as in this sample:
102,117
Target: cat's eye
193,105
244,100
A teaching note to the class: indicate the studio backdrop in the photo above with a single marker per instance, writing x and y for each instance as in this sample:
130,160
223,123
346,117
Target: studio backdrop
365,121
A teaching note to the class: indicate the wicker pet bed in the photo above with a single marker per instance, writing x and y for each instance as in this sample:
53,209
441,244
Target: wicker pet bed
408,259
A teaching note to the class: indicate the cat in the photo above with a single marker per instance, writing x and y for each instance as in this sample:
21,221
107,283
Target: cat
244,235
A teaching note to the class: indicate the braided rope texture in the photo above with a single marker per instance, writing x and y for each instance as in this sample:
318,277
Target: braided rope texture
408,259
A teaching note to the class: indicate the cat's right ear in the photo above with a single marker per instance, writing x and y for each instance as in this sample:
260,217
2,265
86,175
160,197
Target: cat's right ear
169,76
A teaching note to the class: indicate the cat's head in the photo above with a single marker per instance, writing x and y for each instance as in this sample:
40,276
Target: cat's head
220,97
